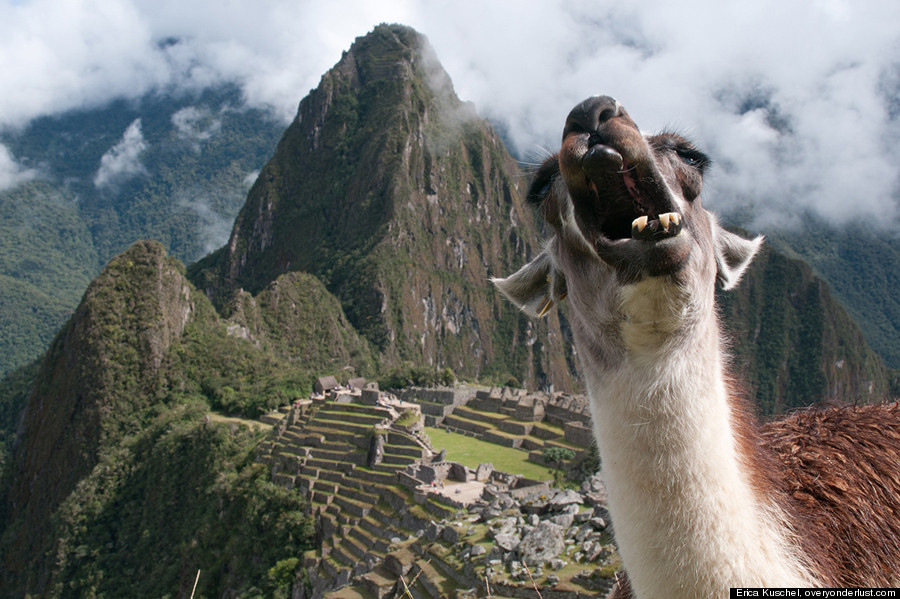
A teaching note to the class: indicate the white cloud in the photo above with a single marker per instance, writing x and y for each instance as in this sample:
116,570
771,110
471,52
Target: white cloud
214,228
797,101
251,178
11,172
195,125
123,160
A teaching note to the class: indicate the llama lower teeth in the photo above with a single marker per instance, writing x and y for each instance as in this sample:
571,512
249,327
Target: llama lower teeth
667,225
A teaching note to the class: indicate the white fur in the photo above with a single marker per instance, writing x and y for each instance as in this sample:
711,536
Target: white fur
686,520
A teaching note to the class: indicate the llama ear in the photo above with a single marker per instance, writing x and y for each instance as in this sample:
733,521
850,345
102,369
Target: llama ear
733,255
535,287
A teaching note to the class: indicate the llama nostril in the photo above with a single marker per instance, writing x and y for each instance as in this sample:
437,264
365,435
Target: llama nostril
608,112
590,114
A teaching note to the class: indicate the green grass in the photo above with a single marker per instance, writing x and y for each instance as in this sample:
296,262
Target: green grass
471,452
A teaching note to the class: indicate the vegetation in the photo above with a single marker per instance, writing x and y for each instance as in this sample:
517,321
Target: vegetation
393,218
472,452
123,486
793,345
181,496
862,266
558,456
410,375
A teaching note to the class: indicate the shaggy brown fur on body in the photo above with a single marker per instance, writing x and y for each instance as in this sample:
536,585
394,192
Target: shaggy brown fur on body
841,479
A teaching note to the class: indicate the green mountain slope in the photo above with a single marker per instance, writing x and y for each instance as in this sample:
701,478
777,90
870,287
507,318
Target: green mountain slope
862,266
793,343
116,457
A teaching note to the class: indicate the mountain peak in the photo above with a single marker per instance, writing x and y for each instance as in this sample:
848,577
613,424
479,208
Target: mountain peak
403,202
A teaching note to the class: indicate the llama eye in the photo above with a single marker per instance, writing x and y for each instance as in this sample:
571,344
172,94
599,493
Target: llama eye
692,157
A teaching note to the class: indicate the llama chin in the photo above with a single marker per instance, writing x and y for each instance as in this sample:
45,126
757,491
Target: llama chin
703,498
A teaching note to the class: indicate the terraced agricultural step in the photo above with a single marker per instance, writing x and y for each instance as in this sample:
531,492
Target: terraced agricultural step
355,546
516,428
465,424
403,439
352,507
288,450
374,544
332,465
342,555
293,435
356,408
491,418
543,430
331,475
330,445
357,495
350,417
531,444
397,460
325,486
504,439
408,450
322,498
380,583
326,433
429,580
331,427
357,457
440,511
351,592
374,476
390,521
447,570
391,469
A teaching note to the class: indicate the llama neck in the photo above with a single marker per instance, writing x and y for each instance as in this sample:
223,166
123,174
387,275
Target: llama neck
687,520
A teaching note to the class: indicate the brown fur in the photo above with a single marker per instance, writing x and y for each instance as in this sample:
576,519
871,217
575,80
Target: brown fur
840,481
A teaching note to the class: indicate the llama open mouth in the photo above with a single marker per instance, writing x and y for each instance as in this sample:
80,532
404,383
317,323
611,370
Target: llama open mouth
632,206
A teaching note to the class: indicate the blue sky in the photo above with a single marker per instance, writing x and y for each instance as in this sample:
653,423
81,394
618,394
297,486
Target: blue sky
794,99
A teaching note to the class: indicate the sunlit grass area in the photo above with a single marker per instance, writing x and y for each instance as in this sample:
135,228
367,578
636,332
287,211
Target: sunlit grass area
471,452
252,424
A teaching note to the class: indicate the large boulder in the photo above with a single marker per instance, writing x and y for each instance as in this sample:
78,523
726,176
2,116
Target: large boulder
543,543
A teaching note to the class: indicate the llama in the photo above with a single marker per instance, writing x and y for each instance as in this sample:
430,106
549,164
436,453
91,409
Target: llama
702,497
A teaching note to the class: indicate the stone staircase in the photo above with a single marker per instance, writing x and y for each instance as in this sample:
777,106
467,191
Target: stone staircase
322,449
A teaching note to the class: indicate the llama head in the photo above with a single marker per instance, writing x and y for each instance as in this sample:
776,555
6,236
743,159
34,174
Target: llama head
625,207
